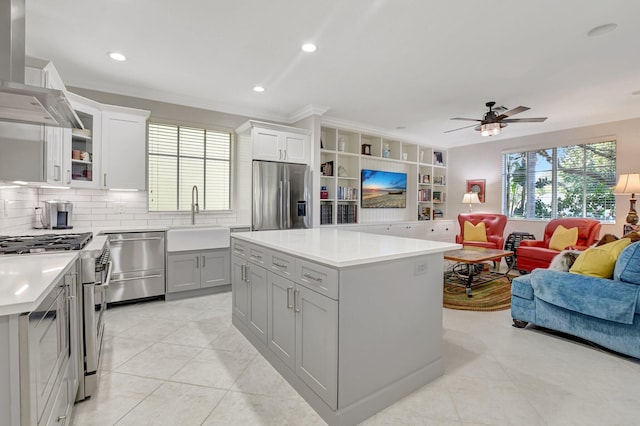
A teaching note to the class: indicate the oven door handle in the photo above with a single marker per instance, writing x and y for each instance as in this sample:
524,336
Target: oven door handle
123,240
105,285
137,278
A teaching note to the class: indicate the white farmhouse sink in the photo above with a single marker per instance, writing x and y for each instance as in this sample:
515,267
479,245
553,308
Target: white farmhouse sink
197,237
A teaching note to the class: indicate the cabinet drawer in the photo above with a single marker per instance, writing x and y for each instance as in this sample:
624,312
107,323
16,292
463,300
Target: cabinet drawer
282,264
321,279
257,255
239,248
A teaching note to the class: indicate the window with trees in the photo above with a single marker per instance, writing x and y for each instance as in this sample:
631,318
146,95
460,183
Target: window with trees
181,157
568,181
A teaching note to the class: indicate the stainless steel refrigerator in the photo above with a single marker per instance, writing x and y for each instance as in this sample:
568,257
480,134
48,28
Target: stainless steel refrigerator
281,196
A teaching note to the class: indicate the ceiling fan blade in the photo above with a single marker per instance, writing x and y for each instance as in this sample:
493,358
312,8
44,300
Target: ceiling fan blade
465,119
459,128
514,111
525,120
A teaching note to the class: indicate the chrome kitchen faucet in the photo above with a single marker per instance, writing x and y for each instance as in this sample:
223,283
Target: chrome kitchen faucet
194,205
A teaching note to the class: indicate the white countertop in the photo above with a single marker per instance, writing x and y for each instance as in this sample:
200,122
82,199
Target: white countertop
26,279
340,248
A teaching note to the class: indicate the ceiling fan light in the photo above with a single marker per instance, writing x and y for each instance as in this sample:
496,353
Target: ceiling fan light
490,129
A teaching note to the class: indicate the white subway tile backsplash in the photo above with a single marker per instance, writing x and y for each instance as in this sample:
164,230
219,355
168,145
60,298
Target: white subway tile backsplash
94,208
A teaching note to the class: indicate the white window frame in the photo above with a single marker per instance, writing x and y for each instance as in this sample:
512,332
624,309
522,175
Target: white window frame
201,190
530,184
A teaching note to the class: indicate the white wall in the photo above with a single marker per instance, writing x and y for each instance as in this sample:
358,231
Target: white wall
483,161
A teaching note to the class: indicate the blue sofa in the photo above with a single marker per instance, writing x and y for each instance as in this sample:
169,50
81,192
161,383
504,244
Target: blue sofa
604,311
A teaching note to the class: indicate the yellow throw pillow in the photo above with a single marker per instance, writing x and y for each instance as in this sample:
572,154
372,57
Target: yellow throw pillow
475,233
563,237
600,261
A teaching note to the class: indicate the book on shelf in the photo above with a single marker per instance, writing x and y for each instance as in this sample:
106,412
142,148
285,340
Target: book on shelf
438,180
326,214
438,197
347,193
347,213
424,194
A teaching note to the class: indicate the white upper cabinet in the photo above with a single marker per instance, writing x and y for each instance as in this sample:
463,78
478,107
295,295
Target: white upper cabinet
110,153
272,142
124,148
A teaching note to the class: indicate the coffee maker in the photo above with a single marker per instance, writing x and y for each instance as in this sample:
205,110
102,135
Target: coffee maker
57,214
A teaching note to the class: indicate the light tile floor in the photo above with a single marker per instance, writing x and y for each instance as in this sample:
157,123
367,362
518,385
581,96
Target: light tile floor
183,363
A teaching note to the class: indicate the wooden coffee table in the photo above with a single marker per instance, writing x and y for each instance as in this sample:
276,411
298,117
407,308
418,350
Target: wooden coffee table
468,258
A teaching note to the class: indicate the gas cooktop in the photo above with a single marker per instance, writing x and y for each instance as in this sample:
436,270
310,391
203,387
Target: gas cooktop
42,243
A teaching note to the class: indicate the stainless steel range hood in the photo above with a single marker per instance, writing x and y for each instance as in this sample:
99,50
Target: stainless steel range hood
20,102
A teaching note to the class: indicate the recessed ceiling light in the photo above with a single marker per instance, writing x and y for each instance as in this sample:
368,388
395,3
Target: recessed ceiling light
309,47
601,30
258,89
117,56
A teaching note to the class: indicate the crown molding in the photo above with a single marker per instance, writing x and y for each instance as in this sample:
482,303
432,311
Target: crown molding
308,111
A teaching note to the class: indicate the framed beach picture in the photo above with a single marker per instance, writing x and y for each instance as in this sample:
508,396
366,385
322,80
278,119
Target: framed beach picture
477,186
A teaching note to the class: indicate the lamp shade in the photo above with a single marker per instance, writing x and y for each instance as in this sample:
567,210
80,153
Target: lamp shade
470,198
628,184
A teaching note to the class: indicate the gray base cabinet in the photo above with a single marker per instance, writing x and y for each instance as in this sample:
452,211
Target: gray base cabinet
38,362
197,269
298,324
351,340
302,332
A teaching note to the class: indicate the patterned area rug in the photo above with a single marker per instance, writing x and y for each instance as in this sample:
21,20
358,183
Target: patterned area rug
491,296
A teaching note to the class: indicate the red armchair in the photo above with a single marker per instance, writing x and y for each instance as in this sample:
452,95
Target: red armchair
533,254
494,224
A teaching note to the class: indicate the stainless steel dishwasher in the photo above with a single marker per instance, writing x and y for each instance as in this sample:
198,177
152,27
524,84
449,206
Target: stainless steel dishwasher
138,265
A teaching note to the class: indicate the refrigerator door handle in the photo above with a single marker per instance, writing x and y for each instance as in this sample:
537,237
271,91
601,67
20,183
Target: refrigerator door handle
281,204
286,210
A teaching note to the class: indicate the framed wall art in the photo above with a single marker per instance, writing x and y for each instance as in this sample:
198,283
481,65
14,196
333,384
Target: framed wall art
477,186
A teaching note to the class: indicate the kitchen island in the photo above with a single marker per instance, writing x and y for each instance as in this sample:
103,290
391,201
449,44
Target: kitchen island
353,321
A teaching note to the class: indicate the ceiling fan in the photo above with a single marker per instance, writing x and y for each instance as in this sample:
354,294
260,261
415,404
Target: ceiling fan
491,123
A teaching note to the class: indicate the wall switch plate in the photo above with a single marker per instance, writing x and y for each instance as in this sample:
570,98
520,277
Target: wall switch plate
119,207
420,268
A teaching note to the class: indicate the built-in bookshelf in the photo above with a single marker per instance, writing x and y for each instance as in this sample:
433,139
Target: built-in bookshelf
345,153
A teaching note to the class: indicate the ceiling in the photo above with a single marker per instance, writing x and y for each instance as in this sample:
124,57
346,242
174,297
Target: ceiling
400,67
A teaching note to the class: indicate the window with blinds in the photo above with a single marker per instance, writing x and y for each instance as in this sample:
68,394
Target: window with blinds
568,181
181,157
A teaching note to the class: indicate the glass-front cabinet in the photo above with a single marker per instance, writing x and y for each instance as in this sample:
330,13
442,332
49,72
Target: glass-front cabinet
84,169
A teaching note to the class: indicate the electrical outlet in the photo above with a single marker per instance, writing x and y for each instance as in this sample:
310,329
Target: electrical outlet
119,207
420,268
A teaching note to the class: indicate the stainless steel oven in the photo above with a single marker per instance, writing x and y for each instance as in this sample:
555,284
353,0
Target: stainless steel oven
95,278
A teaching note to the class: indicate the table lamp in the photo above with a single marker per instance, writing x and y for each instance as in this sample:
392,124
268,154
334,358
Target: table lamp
470,198
629,184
